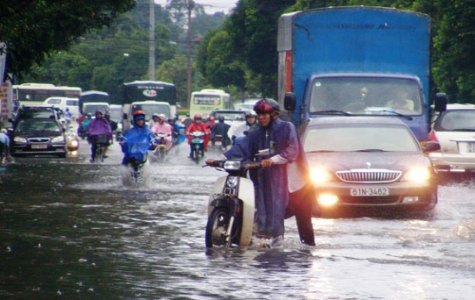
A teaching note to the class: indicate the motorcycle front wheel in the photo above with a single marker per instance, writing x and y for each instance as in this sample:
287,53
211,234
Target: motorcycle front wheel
218,222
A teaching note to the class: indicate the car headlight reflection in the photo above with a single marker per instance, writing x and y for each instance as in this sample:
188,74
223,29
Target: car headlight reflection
319,175
418,174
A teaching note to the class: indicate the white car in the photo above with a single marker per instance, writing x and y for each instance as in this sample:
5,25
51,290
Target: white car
63,103
454,129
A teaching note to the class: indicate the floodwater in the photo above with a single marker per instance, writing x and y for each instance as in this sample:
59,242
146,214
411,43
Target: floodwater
70,229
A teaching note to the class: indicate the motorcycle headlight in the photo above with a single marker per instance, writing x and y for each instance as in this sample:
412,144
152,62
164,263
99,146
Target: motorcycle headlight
232,165
418,174
320,175
58,139
74,144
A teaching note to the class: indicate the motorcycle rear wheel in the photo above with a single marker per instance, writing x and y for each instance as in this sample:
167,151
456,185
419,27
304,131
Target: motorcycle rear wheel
216,227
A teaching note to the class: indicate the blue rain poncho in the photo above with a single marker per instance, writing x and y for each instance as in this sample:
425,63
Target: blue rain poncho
137,141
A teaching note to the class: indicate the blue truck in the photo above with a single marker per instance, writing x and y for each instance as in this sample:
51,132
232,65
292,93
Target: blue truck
355,60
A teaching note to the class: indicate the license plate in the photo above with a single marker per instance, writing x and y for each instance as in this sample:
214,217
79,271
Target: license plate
369,192
39,146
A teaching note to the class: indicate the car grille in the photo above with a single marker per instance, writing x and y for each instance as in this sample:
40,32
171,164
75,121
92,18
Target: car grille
38,140
368,176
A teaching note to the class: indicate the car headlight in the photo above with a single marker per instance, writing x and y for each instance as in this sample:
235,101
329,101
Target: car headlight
418,174
320,175
58,139
19,140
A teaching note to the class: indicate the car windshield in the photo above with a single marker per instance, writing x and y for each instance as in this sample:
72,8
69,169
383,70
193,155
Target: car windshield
152,108
116,114
92,108
32,125
456,120
230,116
359,138
367,95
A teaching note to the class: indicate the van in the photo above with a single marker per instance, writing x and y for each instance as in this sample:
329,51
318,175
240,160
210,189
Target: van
64,102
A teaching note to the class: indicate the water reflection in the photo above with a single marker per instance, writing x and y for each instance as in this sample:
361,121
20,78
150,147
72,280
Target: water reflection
75,231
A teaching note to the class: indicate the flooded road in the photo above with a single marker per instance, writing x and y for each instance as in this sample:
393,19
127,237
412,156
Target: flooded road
70,229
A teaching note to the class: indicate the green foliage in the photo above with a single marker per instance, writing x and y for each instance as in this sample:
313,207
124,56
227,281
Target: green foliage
33,29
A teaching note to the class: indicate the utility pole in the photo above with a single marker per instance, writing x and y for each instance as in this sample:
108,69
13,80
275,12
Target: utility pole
190,48
151,57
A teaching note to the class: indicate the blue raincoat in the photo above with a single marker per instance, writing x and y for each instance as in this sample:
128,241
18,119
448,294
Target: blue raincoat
272,189
137,143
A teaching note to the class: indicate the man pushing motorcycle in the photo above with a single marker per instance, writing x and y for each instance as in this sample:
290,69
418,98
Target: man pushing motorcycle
282,189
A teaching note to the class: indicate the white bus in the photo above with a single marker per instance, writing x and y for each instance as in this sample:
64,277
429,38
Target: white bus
35,93
205,101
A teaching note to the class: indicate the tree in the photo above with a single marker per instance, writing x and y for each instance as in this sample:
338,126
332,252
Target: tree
33,29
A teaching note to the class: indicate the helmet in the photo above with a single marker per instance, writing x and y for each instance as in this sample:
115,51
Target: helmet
211,118
89,115
99,112
4,130
162,116
171,120
266,106
250,114
139,115
221,118
197,117
155,115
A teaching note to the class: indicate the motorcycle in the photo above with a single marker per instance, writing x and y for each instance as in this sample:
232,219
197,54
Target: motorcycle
99,142
197,145
136,157
231,207
161,149
220,142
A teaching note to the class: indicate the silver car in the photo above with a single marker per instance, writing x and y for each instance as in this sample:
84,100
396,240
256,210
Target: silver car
454,130
368,162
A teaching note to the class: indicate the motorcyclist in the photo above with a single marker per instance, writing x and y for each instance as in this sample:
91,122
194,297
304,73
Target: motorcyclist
198,125
4,145
83,122
221,129
282,190
178,131
98,127
139,133
153,121
210,122
243,129
162,127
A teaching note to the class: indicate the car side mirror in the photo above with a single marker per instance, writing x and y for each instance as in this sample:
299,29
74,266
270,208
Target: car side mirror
290,101
440,102
124,116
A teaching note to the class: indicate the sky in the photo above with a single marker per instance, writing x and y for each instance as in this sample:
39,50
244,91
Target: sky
211,6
